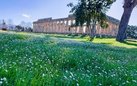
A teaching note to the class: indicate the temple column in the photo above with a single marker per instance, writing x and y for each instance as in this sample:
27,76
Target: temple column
55,26
42,28
111,32
87,30
84,29
80,29
50,28
108,29
114,30
69,26
97,29
59,27
46,27
100,30
36,28
72,28
66,27
105,31
117,29
77,29
63,26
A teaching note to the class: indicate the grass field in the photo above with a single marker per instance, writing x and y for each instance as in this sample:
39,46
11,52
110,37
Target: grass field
30,59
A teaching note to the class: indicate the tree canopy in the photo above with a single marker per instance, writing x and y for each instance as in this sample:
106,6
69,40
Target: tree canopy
91,12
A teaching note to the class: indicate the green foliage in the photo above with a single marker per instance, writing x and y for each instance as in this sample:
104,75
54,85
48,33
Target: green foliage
91,12
131,32
89,39
28,59
19,27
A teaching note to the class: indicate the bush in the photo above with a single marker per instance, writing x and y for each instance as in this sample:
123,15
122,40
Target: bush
131,32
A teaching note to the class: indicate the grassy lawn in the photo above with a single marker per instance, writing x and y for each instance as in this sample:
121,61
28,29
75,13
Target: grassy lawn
30,59
108,41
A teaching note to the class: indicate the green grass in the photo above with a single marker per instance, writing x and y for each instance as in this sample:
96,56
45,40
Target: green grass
30,59
108,41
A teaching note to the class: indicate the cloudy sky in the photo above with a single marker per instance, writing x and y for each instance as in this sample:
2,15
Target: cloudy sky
31,10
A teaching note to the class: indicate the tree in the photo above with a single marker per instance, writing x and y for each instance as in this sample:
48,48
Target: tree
91,12
10,23
18,27
28,24
131,32
128,8
23,24
4,26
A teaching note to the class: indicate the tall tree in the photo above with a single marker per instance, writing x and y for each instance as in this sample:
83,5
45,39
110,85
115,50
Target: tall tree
91,12
128,8
23,24
10,24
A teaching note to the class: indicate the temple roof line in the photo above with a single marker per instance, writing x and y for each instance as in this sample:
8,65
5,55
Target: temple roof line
114,20
111,19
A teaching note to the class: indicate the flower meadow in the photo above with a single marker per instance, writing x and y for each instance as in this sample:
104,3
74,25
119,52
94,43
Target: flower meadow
30,59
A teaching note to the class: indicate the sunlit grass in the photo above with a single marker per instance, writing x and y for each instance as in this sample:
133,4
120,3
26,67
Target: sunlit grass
113,42
34,59
107,41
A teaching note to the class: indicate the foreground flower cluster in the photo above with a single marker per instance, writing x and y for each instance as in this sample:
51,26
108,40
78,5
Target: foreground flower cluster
40,60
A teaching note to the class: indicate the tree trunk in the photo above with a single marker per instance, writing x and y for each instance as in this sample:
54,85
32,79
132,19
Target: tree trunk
124,23
93,31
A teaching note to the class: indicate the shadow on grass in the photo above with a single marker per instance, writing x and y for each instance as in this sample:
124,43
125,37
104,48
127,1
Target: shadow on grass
125,42
72,36
62,37
84,35
106,43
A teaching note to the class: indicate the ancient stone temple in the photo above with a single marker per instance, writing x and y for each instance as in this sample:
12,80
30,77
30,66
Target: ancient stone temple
66,25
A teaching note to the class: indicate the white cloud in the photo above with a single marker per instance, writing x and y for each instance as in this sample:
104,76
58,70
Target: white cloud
26,15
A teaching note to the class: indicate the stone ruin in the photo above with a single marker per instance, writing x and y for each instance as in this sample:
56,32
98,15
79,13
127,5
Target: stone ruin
66,26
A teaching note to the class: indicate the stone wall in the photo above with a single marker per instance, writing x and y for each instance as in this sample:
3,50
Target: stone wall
64,25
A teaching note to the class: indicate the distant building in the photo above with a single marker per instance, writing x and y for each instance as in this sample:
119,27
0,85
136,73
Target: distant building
64,25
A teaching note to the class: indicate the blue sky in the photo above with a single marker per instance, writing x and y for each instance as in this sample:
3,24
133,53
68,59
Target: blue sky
31,10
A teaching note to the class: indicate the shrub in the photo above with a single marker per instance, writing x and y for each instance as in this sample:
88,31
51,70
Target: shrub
132,32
